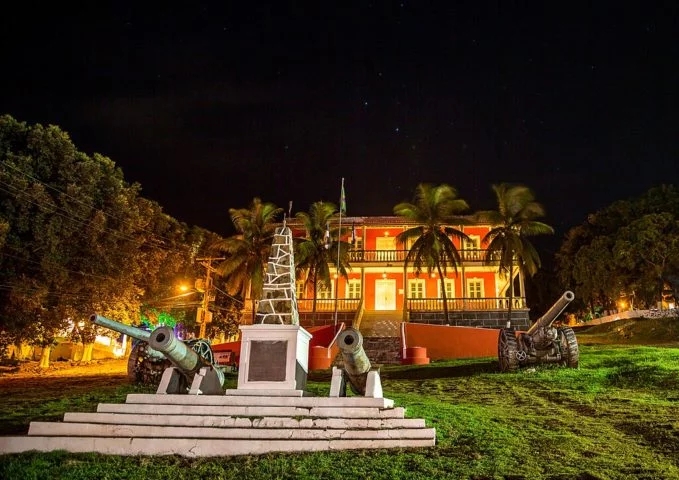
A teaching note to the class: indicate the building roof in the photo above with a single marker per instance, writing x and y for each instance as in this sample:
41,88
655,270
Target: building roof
373,221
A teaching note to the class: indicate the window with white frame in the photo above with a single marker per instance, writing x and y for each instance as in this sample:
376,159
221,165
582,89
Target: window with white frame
450,288
324,293
359,243
472,247
299,288
354,288
385,243
416,288
475,288
473,242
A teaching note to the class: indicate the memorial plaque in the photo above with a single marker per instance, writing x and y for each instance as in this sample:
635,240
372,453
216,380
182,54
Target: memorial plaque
267,360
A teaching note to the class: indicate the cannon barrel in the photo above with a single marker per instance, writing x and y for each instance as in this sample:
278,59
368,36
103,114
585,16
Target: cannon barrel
181,355
128,330
356,362
550,315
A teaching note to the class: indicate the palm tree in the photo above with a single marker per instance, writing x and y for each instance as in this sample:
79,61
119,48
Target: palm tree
247,252
435,208
318,249
511,224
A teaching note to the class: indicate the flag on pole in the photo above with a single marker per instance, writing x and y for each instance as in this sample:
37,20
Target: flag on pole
343,201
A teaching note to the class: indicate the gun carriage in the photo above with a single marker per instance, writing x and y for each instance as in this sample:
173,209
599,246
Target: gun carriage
541,343
159,357
357,370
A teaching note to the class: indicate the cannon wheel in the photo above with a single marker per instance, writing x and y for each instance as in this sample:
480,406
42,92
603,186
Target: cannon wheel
507,349
569,348
133,363
202,348
144,369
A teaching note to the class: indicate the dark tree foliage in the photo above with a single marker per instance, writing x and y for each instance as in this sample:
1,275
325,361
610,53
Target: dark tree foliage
76,238
629,249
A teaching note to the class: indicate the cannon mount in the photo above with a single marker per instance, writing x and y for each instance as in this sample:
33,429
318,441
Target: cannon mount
541,343
357,371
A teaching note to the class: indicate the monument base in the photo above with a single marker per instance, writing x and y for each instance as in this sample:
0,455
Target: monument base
273,357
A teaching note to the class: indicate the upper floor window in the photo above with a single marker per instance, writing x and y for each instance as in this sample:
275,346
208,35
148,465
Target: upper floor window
385,243
471,248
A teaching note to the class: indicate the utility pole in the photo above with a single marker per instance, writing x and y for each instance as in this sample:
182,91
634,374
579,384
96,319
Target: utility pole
204,315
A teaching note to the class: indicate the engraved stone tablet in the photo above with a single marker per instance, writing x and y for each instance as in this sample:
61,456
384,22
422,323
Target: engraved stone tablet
267,361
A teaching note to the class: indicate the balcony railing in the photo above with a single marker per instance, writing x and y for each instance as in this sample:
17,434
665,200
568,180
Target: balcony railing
377,255
464,304
388,256
328,304
413,304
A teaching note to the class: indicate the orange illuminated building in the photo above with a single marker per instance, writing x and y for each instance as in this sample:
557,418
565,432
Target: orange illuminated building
378,286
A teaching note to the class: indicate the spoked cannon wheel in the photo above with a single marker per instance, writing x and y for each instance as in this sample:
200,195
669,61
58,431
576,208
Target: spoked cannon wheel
144,368
202,348
569,347
507,351
132,364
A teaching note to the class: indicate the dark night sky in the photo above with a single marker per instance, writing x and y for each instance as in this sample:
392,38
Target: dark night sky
208,105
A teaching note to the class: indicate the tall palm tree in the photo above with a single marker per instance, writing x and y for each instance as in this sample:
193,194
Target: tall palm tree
435,209
511,224
318,249
247,252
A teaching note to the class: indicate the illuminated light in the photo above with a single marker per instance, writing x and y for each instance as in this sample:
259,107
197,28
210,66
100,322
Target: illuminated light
183,287
433,275
386,233
384,274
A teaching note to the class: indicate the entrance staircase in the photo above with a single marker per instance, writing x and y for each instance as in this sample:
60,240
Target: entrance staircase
381,330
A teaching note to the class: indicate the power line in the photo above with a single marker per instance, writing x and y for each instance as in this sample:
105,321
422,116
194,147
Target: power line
18,194
92,207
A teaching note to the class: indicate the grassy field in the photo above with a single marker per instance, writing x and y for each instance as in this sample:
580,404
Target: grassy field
615,417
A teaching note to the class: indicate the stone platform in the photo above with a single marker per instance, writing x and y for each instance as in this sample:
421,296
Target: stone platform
216,425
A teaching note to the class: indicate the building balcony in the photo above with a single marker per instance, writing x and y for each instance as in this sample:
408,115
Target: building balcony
413,304
395,256
464,304
328,304
474,312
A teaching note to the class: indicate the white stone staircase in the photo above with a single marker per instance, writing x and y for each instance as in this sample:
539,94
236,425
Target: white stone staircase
216,425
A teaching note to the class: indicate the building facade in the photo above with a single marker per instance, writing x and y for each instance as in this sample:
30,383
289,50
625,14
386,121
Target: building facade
378,283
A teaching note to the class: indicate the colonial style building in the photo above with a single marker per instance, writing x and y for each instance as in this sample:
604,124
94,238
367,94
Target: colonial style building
379,286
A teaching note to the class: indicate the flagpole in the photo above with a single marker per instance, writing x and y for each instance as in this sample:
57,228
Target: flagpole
339,239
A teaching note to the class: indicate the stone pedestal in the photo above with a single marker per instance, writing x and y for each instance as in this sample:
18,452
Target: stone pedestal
273,357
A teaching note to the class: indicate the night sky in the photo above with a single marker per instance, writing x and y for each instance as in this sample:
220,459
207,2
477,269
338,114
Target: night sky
207,105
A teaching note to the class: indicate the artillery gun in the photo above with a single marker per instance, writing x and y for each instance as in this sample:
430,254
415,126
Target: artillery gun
541,343
159,357
357,369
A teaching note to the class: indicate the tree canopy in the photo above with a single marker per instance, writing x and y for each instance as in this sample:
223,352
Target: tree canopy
76,238
436,209
629,249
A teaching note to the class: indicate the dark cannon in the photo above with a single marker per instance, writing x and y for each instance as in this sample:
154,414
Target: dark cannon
541,343
177,366
357,370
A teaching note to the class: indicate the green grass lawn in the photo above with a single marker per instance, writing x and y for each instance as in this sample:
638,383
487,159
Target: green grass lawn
617,416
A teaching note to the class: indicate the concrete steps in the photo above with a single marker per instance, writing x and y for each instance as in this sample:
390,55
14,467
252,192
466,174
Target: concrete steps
216,425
